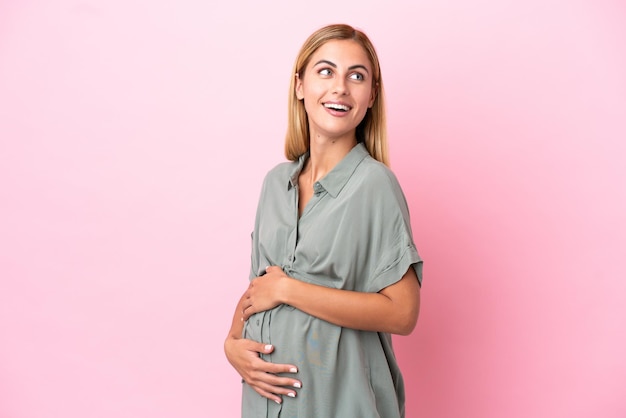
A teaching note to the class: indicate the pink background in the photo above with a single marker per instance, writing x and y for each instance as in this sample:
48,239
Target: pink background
133,139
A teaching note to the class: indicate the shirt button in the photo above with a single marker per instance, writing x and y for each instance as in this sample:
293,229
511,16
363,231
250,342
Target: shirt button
290,257
258,322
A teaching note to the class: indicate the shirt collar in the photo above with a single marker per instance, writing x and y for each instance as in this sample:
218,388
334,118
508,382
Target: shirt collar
337,178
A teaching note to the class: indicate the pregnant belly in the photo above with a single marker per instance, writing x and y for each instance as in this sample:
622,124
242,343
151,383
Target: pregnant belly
298,337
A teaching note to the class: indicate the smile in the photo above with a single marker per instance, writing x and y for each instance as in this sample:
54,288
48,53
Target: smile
337,106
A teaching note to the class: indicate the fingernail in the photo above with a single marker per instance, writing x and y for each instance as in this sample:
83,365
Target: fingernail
291,395
293,370
297,385
268,347
277,401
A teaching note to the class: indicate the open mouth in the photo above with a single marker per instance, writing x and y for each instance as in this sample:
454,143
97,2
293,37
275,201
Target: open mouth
338,107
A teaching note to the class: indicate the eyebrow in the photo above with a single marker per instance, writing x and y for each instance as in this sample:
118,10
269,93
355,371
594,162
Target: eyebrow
332,64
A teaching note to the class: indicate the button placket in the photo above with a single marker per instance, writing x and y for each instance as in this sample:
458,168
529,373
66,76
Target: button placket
292,242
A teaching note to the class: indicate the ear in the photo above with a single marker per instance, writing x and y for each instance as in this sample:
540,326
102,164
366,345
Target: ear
373,96
299,89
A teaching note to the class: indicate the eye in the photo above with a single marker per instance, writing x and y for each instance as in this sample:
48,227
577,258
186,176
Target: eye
325,72
357,76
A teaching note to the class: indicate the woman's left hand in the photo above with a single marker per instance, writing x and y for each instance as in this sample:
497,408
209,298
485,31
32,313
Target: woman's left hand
264,292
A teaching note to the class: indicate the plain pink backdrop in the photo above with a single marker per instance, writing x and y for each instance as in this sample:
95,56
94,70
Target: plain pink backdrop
134,136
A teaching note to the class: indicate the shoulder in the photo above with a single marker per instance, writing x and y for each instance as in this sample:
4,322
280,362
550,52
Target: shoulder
280,172
376,176
379,187
277,178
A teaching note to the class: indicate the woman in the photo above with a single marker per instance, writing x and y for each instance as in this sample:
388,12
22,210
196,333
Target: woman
334,267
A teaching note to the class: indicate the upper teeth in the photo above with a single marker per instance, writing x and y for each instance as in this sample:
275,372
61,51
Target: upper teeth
336,106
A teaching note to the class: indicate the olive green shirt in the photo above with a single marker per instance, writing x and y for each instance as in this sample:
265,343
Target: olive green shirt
354,234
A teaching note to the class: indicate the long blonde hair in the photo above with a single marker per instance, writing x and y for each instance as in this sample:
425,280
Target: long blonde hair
373,128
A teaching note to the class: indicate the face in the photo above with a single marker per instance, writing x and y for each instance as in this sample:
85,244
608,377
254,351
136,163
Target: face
337,89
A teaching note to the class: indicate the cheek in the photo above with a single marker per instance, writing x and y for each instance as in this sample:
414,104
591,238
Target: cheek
313,91
365,100
308,107
312,97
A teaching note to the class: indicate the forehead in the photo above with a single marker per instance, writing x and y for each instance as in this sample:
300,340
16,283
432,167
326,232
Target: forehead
344,52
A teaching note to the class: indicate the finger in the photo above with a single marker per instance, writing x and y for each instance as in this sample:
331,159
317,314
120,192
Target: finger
245,306
271,377
270,269
256,346
268,395
275,393
271,384
275,369
265,366
247,313
274,383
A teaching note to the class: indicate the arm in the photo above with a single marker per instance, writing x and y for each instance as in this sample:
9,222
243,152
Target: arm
394,309
243,355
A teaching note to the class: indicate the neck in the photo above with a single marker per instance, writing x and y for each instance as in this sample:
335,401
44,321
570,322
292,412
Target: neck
325,154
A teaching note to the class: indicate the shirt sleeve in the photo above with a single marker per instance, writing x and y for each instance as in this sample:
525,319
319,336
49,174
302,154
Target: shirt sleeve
254,250
254,257
392,231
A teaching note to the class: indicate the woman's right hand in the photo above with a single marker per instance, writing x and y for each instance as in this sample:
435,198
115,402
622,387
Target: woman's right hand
261,375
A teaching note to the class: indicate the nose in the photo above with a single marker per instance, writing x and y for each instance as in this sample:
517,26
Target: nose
340,87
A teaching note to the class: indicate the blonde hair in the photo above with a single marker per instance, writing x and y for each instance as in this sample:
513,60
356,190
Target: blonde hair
373,128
